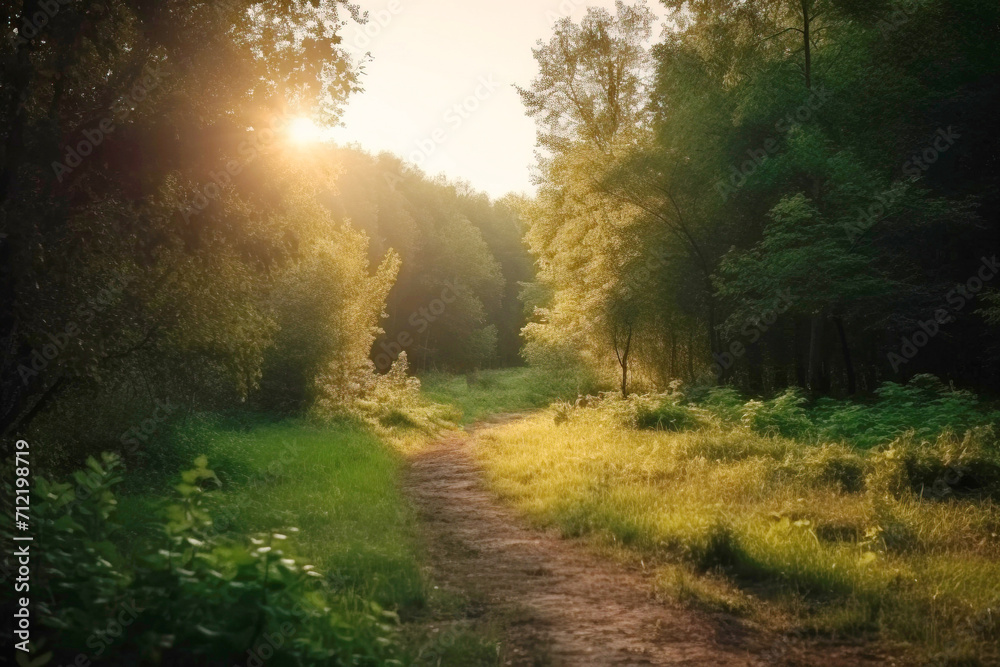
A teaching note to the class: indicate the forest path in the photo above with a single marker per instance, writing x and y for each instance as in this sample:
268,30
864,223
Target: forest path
559,604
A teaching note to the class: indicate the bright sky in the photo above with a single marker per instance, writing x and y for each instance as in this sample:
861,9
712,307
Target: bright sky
439,89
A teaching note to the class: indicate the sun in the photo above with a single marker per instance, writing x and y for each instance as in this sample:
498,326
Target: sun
304,131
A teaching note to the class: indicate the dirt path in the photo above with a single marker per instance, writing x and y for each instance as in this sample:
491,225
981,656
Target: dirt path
560,604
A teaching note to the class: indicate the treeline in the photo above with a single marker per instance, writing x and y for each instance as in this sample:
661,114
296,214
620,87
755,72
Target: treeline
779,192
166,246
455,306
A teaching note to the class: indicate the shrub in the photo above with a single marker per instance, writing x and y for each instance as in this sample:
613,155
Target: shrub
724,403
667,415
189,595
386,400
925,406
782,415
830,465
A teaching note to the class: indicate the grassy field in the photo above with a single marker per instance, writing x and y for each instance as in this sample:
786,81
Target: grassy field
339,487
812,538
487,393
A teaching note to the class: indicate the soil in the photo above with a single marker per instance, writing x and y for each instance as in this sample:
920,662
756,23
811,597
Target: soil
559,603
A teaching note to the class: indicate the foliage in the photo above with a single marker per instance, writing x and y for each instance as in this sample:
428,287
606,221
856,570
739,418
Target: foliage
925,406
461,262
191,594
777,230
127,236
388,400
666,416
782,415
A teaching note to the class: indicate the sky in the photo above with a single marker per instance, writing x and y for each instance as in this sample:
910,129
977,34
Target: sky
439,88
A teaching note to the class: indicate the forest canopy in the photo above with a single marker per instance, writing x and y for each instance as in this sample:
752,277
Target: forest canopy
775,194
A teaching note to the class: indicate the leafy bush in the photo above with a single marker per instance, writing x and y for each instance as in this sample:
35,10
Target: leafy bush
389,400
668,415
925,406
782,415
187,594
724,403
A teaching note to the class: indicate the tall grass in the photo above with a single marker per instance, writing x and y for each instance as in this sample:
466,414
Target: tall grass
828,539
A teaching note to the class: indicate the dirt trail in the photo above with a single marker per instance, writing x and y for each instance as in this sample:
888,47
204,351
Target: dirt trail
560,604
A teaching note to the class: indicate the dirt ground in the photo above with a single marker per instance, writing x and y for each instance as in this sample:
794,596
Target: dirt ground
560,604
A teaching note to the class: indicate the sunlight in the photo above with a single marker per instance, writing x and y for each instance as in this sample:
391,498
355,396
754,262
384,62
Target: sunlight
304,131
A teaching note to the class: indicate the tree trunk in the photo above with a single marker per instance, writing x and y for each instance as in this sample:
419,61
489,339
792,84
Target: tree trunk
623,359
673,354
815,365
691,355
852,383
800,355
806,20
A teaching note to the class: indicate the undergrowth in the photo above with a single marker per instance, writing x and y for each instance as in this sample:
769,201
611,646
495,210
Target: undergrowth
887,532
287,543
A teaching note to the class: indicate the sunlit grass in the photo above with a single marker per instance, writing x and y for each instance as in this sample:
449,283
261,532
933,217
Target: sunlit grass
494,392
763,526
339,485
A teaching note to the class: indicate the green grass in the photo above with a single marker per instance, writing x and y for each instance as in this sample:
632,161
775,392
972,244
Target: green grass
339,486
492,392
765,526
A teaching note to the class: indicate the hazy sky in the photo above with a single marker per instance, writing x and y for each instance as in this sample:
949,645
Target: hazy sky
439,89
